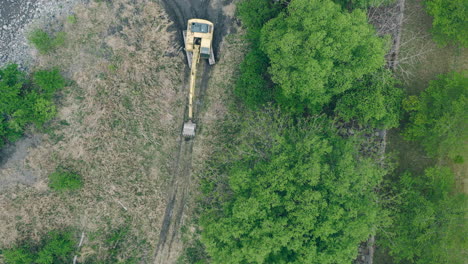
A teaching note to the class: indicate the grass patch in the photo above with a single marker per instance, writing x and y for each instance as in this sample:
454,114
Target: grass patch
64,181
71,19
45,42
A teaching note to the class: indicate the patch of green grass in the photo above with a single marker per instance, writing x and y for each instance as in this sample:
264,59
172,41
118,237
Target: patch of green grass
71,19
45,42
112,67
64,180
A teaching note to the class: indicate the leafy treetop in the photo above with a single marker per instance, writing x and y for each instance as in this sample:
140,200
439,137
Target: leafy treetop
450,21
317,51
299,194
438,116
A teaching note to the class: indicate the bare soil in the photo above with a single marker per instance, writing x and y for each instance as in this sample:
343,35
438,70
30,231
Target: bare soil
13,169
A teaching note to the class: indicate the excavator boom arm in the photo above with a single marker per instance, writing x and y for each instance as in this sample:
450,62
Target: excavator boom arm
193,77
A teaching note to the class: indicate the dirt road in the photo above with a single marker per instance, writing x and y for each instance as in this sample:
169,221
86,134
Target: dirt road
169,245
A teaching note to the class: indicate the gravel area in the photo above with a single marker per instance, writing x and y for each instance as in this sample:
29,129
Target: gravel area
19,16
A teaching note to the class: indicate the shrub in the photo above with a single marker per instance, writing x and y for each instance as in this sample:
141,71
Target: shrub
252,86
71,19
12,103
41,40
44,42
18,255
43,111
254,14
22,103
63,180
55,247
49,81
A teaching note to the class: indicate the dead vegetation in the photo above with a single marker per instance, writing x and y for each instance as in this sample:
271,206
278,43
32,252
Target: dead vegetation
118,126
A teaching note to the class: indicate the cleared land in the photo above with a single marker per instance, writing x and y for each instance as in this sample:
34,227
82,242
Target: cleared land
119,126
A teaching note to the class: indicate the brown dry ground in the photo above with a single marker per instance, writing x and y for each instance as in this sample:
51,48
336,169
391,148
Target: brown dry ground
118,126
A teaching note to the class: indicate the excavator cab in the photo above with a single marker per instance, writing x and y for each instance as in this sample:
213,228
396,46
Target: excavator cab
198,40
199,33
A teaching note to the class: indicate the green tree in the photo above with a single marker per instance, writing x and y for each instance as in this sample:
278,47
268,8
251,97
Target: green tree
253,86
429,225
64,180
297,193
450,21
374,100
317,51
438,116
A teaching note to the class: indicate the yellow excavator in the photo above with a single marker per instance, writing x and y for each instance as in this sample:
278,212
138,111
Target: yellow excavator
198,39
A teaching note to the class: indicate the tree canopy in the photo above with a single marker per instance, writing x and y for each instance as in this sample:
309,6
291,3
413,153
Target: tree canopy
450,21
317,51
362,3
429,226
299,194
253,86
375,100
438,116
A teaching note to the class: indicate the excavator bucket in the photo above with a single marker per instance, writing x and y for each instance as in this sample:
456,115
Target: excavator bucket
189,129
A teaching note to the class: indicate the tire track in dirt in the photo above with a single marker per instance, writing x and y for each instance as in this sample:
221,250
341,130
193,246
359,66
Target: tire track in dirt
169,244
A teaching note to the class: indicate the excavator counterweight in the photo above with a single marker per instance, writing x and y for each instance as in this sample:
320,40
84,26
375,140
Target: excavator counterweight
198,40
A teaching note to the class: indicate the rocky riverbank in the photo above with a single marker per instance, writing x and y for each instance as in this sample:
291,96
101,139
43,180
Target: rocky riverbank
17,17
